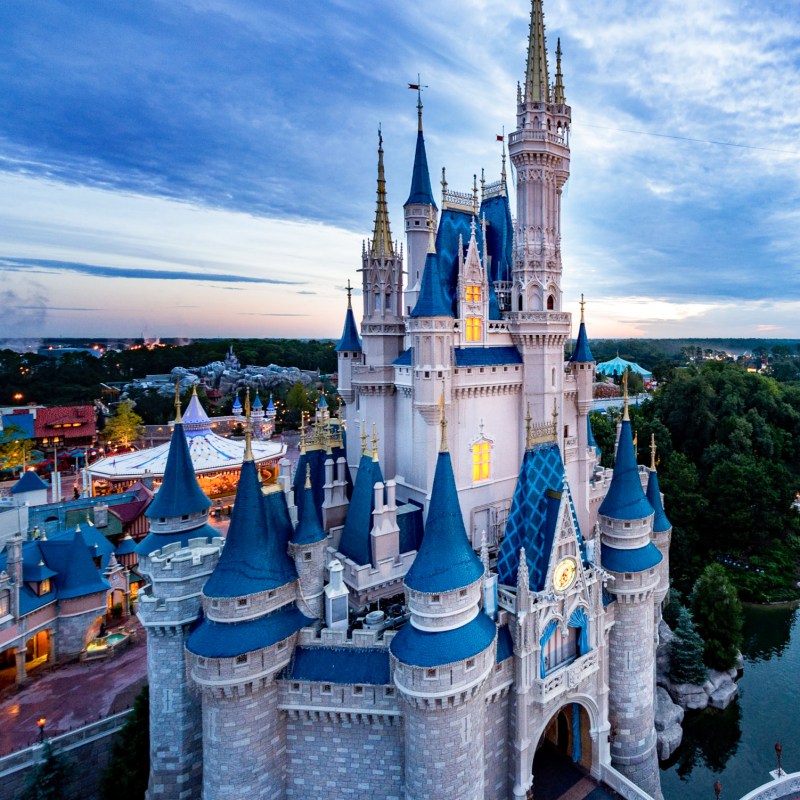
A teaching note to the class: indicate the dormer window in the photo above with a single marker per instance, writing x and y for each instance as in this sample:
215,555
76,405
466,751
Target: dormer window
473,293
474,327
44,587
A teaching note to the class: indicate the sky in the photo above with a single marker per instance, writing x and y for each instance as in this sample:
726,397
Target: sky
207,167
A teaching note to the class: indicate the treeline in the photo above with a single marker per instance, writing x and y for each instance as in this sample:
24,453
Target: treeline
728,444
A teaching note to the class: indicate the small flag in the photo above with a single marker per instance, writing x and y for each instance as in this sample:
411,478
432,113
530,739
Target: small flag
500,137
413,86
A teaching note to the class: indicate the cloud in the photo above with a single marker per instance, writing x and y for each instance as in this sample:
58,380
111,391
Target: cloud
96,271
268,314
56,308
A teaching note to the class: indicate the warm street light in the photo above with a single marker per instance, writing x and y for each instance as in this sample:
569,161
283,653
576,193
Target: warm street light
18,396
778,752
717,789
41,722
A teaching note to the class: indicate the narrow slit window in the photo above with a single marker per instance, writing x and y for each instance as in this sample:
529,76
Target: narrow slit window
481,460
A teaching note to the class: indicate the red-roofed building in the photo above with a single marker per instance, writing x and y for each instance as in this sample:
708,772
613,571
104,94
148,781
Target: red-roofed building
69,425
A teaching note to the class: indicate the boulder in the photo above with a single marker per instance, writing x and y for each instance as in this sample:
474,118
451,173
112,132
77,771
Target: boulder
667,712
722,696
668,741
688,695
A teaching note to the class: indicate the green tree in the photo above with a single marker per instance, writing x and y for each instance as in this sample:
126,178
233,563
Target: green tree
686,651
50,778
15,448
718,615
125,777
297,403
605,435
125,426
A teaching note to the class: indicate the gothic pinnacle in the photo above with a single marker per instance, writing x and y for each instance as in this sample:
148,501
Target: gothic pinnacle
558,88
537,83
382,235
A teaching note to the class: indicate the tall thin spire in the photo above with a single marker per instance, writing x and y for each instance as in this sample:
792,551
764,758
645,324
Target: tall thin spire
625,413
421,193
652,451
558,88
442,423
537,82
178,417
382,235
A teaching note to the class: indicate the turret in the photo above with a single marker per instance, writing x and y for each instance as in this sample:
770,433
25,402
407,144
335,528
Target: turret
257,417
420,213
444,654
632,560
662,527
237,406
473,291
246,637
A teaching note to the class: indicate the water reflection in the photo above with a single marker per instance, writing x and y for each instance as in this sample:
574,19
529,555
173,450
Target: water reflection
767,631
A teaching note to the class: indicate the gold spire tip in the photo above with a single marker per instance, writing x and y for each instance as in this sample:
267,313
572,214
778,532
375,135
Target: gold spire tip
653,452
178,417
364,437
374,442
308,476
583,306
442,422
528,428
248,445
349,294
626,414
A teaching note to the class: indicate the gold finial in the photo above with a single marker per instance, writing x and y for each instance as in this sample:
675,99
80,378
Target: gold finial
308,475
364,437
248,445
558,87
303,432
555,418
374,442
247,403
636,444
625,415
194,390
431,231
537,84
653,452
444,188
340,430
382,234
528,428
475,204
442,422
349,294
178,417
583,305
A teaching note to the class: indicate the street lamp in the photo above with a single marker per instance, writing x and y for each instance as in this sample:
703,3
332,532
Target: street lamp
778,752
41,722
717,789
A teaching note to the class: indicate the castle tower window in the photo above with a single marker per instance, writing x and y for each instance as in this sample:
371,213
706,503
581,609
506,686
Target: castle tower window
5,603
473,293
474,329
481,460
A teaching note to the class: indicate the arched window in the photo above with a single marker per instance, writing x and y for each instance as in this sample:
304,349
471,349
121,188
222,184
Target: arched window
551,302
473,293
481,460
5,603
519,303
473,329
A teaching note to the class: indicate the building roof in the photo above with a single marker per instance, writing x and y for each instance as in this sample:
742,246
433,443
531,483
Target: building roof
348,665
617,366
316,458
96,542
35,573
422,649
582,353
257,402
446,560
77,574
660,521
433,300
70,422
625,499
505,644
420,193
254,558
28,482
499,237
180,493
126,546
615,559
487,356
591,441
229,639
21,420
355,540
309,529
155,541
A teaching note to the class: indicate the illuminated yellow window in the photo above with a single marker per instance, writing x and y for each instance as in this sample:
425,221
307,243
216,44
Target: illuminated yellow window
481,461
473,293
473,329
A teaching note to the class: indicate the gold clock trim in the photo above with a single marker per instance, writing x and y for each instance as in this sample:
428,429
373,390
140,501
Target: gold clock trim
564,574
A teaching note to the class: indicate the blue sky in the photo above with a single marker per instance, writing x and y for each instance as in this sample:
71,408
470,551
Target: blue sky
207,167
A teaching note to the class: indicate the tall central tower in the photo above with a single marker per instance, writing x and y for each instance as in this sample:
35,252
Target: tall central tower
539,150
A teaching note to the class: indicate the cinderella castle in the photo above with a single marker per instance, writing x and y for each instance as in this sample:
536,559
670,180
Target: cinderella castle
448,592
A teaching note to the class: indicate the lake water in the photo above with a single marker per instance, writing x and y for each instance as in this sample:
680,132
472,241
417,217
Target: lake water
737,746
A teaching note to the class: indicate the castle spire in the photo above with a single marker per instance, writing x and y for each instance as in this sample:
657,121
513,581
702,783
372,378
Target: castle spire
582,353
558,88
350,341
537,82
442,423
178,417
421,192
382,234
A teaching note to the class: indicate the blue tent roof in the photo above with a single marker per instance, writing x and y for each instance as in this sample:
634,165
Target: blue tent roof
625,498
446,560
180,493
228,639
309,530
350,665
355,542
615,559
423,649
617,366
583,353
77,574
254,558
28,482
660,521
420,177
350,339
433,300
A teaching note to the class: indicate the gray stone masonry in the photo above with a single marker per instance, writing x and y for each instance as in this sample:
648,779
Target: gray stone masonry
309,561
75,630
496,746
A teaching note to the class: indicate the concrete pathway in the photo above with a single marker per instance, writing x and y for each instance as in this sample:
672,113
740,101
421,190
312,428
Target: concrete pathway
73,695
557,778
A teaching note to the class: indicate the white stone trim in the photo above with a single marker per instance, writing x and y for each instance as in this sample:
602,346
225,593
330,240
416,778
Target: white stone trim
443,628
446,692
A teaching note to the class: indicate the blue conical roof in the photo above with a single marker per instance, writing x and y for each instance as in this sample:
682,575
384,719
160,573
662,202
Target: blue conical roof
254,558
237,403
28,482
180,493
270,405
582,353
80,576
257,402
446,560
420,178
350,340
591,440
625,499
309,530
355,542
433,300
660,521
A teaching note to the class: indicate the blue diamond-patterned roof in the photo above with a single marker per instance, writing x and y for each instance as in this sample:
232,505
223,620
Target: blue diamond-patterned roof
582,353
309,530
180,493
433,300
348,665
420,193
211,639
660,521
350,340
625,499
28,482
423,649
499,237
616,559
445,561
355,541
254,558
531,520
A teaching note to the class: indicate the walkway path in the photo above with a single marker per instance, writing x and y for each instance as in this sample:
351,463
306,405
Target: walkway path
557,778
73,695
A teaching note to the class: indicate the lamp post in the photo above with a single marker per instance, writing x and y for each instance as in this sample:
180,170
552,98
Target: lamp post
778,753
717,789
41,722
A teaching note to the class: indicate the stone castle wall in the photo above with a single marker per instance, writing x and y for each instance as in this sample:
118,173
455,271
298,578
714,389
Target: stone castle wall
497,740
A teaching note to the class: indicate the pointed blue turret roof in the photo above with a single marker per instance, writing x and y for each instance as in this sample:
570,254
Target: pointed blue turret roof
309,530
257,402
433,300
355,542
591,441
254,558
660,521
77,574
270,406
323,403
582,353
446,560
28,482
180,493
237,403
625,499
421,193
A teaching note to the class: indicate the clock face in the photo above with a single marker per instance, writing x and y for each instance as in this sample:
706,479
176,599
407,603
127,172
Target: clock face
564,574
